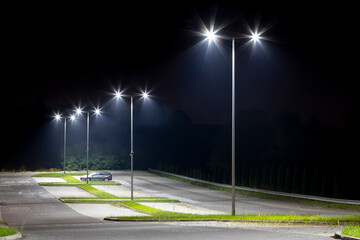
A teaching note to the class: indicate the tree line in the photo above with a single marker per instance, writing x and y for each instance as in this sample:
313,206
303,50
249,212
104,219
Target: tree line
282,154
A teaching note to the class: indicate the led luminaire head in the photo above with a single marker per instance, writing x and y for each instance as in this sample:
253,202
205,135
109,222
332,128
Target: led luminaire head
78,111
72,117
97,111
118,94
145,95
57,117
255,37
210,35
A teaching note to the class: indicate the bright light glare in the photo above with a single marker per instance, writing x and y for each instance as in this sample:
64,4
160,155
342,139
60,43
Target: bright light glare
255,37
72,117
57,117
97,111
210,35
145,95
118,94
78,111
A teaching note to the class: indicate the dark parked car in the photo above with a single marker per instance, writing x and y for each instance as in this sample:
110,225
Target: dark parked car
98,176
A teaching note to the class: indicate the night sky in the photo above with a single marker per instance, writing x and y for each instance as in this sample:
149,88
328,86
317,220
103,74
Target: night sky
66,54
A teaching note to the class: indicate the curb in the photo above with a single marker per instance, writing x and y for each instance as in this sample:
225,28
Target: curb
338,235
17,235
222,220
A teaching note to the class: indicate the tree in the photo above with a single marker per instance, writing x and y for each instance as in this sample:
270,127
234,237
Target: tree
288,180
280,179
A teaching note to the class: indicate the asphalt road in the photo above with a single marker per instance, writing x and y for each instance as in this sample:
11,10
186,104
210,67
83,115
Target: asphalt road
218,200
27,206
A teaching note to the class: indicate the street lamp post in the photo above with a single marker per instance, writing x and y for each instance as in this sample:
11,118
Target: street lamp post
72,118
132,147
211,36
118,95
64,144
87,147
78,112
233,131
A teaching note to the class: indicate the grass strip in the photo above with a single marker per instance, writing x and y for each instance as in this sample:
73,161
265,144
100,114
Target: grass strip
71,179
7,231
158,214
77,183
351,230
97,192
145,209
125,198
102,200
253,218
261,195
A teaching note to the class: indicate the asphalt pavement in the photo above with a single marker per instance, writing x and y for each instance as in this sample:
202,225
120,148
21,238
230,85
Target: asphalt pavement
39,215
218,200
24,202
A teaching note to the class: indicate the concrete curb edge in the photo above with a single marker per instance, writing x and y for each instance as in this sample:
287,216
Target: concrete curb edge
223,220
17,235
338,235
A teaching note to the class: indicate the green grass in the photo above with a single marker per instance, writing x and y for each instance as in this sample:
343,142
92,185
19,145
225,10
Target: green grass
7,231
248,217
143,208
115,200
262,195
123,198
120,201
71,179
75,184
157,214
97,192
351,230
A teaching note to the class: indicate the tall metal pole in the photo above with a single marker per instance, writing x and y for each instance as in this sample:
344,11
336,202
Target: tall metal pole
132,147
233,130
64,143
87,148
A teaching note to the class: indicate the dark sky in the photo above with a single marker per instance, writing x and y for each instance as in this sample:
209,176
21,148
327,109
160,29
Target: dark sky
64,54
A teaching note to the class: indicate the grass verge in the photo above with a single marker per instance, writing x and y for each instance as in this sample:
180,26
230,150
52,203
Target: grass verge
251,218
114,200
97,192
122,198
62,184
71,179
7,231
351,230
157,214
262,195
